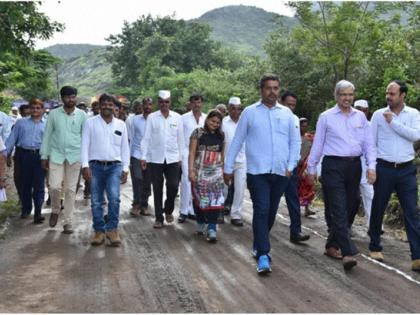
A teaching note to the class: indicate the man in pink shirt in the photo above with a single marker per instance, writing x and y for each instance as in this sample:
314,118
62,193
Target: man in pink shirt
342,136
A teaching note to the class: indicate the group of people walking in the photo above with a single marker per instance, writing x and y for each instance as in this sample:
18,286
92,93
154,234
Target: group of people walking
214,157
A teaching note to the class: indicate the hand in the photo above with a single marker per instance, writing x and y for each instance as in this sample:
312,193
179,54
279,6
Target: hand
143,164
191,176
9,161
311,179
388,116
2,183
124,177
45,164
371,176
87,174
227,178
288,174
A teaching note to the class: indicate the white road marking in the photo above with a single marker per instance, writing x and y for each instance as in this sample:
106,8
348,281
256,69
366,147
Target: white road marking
383,265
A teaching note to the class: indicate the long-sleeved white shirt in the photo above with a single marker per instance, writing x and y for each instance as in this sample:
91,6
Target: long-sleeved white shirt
163,138
229,128
394,140
103,141
190,124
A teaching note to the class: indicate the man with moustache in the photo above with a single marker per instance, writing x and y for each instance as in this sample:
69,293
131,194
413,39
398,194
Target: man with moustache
60,154
342,136
141,179
272,144
395,129
27,137
289,99
190,121
161,150
105,159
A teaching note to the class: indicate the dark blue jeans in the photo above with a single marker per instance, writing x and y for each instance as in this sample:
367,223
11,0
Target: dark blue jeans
404,182
266,191
32,178
293,204
105,178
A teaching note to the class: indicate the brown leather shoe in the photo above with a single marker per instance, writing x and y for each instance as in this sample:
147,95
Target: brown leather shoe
416,265
113,237
349,262
377,256
169,218
135,211
67,229
333,253
98,239
158,225
145,212
53,219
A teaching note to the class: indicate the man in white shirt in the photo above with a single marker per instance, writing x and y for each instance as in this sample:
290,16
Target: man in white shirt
105,158
162,147
395,129
190,121
140,179
239,171
366,189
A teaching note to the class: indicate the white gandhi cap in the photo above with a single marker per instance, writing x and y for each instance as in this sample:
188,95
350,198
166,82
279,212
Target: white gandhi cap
163,94
234,101
361,103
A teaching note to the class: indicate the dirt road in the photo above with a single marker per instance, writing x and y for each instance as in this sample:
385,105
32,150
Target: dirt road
173,270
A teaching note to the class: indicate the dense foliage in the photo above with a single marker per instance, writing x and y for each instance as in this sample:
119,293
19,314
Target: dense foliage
22,69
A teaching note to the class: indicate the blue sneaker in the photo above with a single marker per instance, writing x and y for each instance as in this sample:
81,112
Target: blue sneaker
254,254
263,265
211,236
200,228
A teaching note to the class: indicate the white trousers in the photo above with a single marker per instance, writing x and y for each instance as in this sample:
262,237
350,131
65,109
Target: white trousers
185,206
67,173
366,191
239,180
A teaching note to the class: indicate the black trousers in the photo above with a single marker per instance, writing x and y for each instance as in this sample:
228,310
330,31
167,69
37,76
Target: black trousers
171,173
340,185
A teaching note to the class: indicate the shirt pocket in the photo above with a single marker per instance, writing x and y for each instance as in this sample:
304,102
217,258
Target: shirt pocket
117,137
358,130
173,128
281,126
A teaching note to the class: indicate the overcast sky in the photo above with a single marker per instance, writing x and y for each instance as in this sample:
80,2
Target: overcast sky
91,21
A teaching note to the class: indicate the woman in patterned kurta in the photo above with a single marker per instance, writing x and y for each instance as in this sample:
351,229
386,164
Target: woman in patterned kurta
206,173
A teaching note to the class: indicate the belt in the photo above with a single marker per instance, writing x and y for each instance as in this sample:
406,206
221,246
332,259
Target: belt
34,151
104,162
343,158
394,164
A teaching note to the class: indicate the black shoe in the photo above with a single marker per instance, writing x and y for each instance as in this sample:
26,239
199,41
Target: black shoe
192,217
297,238
39,220
182,218
236,222
24,215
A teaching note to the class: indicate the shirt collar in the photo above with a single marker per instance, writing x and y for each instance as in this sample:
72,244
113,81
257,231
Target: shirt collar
160,113
337,110
403,110
278,105
63,111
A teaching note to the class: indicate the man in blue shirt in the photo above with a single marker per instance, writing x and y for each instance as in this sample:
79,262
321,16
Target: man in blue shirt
27,137
272,142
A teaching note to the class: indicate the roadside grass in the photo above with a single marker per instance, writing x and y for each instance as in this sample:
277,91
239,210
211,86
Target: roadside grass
7,208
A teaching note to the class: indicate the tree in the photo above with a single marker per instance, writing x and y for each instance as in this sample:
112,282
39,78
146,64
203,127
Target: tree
21,67
153,47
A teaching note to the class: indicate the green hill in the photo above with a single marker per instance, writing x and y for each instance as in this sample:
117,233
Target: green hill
68,51
90,72
244,28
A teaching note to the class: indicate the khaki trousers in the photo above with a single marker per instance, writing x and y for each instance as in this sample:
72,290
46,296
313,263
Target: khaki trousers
63,173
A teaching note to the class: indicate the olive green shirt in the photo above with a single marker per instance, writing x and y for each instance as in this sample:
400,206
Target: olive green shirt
62,136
